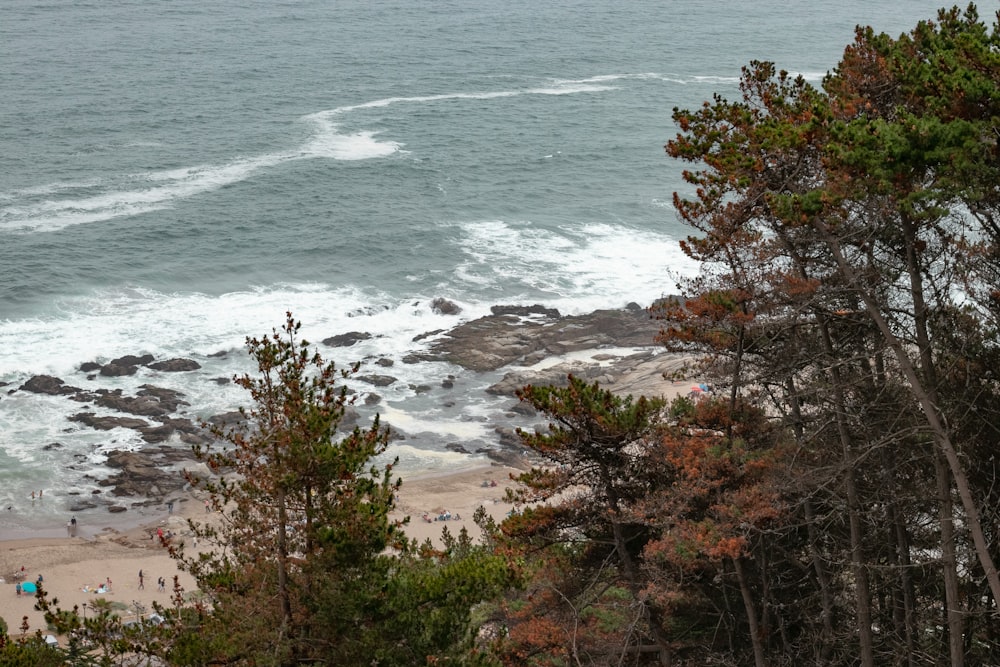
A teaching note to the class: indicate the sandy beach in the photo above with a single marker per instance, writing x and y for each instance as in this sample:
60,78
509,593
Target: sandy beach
74,568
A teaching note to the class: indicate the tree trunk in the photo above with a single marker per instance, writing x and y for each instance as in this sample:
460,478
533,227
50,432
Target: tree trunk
282,562
631,569
863,602
822,577
755,639
826,596
949,565
929,410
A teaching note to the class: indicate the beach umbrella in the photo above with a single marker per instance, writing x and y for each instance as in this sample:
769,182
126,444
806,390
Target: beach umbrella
696,389
28,587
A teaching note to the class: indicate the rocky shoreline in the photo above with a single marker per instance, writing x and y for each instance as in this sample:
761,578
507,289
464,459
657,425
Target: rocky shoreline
514,340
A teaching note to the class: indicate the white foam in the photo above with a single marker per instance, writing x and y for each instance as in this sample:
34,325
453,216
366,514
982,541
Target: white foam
134,195
581,268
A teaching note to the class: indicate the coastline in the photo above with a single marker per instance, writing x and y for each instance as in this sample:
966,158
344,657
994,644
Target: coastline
68,565
604,347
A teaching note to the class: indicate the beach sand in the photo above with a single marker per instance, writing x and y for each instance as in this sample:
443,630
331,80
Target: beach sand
70,564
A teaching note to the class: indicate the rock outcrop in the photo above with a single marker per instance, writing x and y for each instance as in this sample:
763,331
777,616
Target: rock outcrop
525,335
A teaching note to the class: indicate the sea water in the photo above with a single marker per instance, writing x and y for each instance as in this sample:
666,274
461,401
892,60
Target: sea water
174,177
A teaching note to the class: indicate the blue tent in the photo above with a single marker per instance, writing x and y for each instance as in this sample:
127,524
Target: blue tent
27,587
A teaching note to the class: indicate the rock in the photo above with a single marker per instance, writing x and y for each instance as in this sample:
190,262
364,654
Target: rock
117,509
509,437
372,399
81,505
221,381
175,365
52,445
524,311
150,401
226,419
156,434
427,334
107,423
47,384
146,473
377,380
118,370
127,365
523,409
420,388
89,367
445,307
494,341
347,339
455,447
132,360
385,362
350,418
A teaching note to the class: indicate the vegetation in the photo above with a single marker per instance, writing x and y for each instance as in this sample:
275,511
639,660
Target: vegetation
833,502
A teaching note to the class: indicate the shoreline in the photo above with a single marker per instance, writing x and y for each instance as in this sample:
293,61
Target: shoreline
73,567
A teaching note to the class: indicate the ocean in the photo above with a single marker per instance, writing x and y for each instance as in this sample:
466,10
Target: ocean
175,176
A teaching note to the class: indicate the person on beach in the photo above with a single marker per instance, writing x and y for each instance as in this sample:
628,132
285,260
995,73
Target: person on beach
161,584
18,589
141,586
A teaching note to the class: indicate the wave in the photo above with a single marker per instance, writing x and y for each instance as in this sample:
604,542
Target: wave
51,207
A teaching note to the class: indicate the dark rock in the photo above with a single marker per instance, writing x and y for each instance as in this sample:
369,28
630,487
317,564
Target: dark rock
420,388
146,474
117,509
445,307
175,365
522,408
107,423
81,505
377,380
508,437
89,367
555,376
52,445
504,457
372,399
47,384
132,360
118,370
226,419
385,362
169,398
428,334
221,354
447,383
347,339
221,381
524,311
455,447
181,424
491,342
150,401
350,418
156,434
